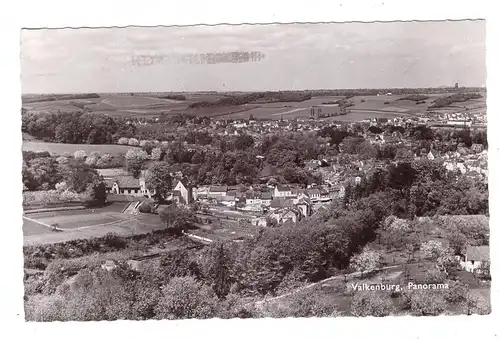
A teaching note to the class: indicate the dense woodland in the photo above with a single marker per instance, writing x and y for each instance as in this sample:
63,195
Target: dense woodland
255,98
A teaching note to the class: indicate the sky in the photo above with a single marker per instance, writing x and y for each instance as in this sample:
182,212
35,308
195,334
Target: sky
293,57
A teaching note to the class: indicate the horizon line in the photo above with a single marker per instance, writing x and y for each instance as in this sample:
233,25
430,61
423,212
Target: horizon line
258,91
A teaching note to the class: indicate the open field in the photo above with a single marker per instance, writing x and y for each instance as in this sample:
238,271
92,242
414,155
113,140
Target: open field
144,105
120,224
60,149
75,220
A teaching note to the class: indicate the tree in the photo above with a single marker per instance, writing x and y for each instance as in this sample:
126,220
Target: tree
91,161
97,191
159,180
367,261
134,160
243,142
177,219
220,270
184,298
80,155
156,154
371,304
79,177
106,158
123,141
133,142
62,160
424,302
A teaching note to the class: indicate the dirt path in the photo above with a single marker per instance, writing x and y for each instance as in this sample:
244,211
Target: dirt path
300,289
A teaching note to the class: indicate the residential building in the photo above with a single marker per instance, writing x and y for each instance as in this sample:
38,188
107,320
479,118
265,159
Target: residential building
314,194
282,191
183,191
474,257
127,185
217,191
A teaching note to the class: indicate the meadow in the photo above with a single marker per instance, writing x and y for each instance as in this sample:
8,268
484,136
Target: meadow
151,105
61,149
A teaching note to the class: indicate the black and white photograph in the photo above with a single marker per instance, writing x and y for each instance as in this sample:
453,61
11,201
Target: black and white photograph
255,171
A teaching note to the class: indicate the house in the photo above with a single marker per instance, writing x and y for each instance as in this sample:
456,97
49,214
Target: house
183,191
304,207
281,202
285,215
282,191
266,197
127,185
253,198
337,191
324,195
431,155
290,214
217,191
314,194
229,200
474,257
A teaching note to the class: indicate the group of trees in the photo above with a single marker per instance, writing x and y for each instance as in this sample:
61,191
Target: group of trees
256,97
454,98
423,188
76,128
42,172
235,161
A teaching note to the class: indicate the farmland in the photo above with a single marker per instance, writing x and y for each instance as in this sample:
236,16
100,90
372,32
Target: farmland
153,105
61,149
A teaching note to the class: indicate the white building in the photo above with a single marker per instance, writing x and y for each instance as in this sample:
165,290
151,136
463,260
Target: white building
474,257
282,191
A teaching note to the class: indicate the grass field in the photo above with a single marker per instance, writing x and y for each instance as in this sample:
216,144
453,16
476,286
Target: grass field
86,224
60,149
150,105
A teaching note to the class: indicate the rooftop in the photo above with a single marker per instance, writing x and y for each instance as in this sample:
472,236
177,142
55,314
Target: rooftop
478,253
